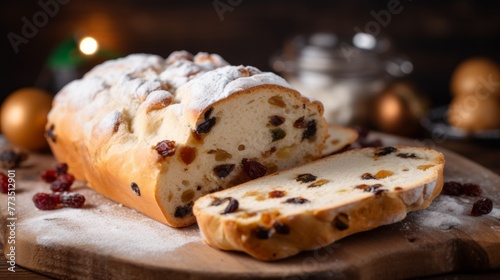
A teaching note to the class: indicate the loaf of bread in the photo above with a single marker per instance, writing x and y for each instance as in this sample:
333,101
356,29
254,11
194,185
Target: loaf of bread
318,203
156,134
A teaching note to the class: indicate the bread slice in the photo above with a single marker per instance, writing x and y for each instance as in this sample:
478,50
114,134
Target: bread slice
318,203
156,134
339,137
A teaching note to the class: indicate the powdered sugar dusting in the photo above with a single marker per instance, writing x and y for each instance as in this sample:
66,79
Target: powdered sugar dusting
220,83
124,232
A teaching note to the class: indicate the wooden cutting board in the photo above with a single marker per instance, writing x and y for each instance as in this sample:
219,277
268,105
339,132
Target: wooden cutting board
105,240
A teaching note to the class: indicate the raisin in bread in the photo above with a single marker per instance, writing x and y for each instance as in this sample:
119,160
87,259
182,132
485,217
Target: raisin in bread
318,203
156,134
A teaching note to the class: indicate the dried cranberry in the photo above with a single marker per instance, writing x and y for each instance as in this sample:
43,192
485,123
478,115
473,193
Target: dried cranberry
452,188
223,170
61,168
48,176
73,200
165,148
46,201
253,169
482,207
62,183
296,200
305,178
11,158
4,183
472,189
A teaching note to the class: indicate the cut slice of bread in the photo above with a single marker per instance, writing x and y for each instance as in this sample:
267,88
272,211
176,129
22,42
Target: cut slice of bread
318,203
339,138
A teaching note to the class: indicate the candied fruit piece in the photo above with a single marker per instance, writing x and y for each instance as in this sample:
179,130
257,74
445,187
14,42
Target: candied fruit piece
187,154
220,154
277,134
187,196
276,194
383,174
277,101
318,183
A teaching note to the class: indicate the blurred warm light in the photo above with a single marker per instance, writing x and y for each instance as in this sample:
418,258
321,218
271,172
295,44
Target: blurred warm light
88,46
364,41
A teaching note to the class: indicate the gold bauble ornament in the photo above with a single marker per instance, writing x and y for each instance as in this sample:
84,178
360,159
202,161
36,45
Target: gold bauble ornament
476,76
23,117
474,114
398,109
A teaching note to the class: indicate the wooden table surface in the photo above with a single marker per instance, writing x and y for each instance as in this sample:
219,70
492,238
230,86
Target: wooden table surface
484,153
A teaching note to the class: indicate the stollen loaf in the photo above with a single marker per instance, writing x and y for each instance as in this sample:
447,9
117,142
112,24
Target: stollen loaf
313,205
156,134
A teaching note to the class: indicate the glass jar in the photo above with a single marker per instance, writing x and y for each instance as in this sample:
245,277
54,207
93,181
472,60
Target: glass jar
343,72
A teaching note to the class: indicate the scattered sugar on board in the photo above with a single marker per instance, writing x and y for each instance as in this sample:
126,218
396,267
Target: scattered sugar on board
447,212
123,232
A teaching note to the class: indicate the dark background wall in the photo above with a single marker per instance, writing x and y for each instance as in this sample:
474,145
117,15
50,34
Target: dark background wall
436,35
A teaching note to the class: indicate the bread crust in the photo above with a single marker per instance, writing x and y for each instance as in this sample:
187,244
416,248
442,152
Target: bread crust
313,229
